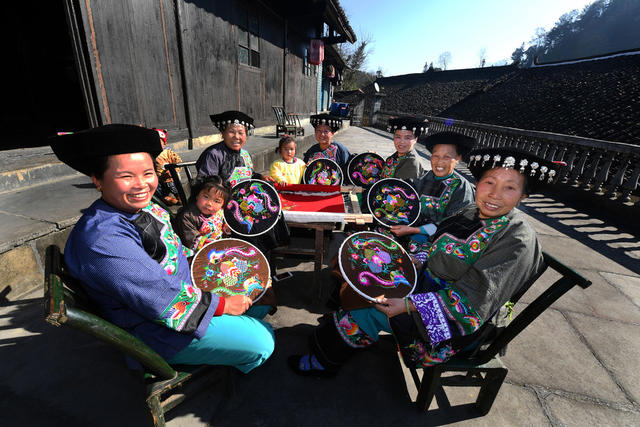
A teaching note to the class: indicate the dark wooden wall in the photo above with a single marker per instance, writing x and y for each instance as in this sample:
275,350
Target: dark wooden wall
134,53
135,62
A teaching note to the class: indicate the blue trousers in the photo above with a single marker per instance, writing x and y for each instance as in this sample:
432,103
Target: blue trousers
371,321
244,342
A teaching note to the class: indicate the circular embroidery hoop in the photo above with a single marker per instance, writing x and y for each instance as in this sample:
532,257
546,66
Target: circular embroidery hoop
253,208
374,265
229,267
323,172
392,201
365,169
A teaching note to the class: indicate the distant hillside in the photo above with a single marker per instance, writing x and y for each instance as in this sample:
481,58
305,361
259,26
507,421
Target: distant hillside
603,26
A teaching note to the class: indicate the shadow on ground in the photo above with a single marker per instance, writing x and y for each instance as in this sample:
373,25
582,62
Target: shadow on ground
588,227
58,376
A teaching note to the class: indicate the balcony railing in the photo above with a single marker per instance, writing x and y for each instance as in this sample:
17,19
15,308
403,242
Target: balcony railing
606,169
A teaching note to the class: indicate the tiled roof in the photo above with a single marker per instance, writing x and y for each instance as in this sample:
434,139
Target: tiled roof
431,92
596,99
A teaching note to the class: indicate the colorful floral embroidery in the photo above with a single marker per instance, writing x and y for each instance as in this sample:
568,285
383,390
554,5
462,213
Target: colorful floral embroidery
240,174
366,169
424,355
323,172
389,169
439,204
349,330
330,153
187,252
378,263
459,311
168,237
247,158
470,249
252,205
179,310
231,271
210,230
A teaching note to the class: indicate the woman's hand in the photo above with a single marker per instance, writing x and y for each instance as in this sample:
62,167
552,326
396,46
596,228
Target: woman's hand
268,179
392,306
403,230
236,304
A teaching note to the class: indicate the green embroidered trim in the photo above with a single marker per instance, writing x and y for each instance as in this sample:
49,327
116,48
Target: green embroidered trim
390,166
470,249
178,311
169,238
457,308
247,158
439,204
349,330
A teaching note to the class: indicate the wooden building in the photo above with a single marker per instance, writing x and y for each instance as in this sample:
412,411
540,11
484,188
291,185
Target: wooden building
163,63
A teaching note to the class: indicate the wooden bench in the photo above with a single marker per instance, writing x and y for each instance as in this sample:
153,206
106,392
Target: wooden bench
66,303
482,367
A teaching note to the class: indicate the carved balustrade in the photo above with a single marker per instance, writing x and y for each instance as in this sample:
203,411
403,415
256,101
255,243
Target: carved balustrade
606,169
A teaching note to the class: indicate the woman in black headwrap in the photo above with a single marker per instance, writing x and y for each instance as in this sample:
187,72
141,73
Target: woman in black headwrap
228,159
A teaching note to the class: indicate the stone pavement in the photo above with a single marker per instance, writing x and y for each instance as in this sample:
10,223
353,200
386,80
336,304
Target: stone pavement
576,365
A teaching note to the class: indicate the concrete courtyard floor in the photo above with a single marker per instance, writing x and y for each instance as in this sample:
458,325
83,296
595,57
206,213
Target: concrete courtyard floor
576,365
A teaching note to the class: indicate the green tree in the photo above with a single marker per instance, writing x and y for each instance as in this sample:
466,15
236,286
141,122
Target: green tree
355,58
518,55
602,27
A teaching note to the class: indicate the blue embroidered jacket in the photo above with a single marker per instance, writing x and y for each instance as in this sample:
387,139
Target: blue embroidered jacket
152,298
338,153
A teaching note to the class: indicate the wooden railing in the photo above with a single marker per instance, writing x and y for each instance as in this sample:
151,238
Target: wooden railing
609,170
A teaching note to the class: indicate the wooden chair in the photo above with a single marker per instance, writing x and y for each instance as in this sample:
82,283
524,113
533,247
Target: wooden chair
173,170
66,303
485,358
288,123
293,119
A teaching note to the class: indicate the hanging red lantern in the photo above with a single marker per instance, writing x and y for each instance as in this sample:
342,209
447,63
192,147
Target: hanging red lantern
316,52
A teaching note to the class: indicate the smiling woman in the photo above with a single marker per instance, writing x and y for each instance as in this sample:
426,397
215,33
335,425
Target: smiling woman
405,163
228,159
128,182
442,190
133,265
326,126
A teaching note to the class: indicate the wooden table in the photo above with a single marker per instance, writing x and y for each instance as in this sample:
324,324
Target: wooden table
319,208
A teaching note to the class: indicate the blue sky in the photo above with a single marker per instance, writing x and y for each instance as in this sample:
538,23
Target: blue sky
406,33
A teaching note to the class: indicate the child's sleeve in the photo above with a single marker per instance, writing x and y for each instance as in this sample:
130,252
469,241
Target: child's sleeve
159,162
187,226
175,157
276,172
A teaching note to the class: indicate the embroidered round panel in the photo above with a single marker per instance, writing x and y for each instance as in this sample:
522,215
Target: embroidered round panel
229,267
323,172
393,202
375,265
253,208
365,169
